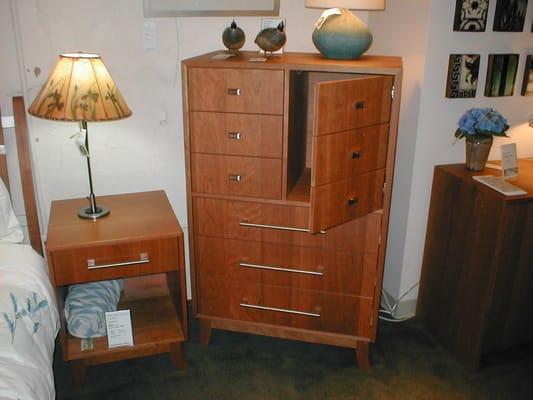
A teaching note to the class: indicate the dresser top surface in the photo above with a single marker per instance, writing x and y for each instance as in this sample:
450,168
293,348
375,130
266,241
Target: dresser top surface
524,180
134,216
304,61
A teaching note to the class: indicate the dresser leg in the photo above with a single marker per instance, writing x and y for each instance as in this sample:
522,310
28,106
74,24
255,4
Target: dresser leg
361,352
176,355
205,332
78,373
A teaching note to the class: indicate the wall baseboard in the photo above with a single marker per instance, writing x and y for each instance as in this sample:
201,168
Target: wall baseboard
405,309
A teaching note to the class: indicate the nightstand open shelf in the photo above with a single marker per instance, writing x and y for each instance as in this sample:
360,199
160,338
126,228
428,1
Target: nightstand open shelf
154,320
141,242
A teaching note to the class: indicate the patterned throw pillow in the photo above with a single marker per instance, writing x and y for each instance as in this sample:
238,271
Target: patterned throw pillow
86,305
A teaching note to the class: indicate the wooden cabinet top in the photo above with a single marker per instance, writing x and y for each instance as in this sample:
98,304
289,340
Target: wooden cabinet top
524,180
134,216
300,61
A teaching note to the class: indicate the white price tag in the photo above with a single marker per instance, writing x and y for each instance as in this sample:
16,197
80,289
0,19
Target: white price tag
119,330
325,15
509,160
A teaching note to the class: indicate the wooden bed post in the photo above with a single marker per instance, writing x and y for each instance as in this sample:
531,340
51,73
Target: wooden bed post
3,157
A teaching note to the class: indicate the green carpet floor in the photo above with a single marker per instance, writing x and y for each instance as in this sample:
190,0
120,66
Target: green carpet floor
407,364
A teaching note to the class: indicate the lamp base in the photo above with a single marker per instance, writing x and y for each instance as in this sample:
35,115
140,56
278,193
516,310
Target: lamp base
87,212
342,36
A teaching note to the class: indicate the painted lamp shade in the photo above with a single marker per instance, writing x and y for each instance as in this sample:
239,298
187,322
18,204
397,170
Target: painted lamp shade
339,34
80,89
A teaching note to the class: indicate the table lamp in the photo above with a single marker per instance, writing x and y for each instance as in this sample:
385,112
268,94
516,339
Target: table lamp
338,33
80,89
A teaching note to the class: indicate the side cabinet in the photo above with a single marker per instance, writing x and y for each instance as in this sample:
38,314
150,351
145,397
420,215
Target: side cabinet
289,176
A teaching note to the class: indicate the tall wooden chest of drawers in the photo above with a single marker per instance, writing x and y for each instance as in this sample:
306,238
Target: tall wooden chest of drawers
289,177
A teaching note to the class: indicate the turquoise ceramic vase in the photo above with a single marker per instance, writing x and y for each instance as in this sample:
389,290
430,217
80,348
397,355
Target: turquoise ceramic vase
342,36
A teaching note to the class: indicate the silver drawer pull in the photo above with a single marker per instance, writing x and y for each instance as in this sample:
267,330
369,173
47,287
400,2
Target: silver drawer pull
283,310
281,228
234,135
143,259
234,92
235,178
271,268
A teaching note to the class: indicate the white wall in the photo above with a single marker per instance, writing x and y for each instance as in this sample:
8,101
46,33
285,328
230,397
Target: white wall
144,152
438,116
401,30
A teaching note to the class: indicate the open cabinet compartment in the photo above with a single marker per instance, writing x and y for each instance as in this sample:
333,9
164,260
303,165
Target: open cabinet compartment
337,144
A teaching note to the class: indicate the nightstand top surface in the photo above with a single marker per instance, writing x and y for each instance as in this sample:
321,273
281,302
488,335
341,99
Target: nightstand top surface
134,216
524,180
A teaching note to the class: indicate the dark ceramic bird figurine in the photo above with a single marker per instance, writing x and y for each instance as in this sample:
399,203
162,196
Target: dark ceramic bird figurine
271,39
233,38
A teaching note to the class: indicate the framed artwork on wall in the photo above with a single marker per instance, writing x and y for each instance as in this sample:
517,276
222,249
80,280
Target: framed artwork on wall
209,8
470,15
501,75
527,84
463,71
510,15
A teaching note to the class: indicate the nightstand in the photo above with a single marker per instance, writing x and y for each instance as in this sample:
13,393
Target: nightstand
141,241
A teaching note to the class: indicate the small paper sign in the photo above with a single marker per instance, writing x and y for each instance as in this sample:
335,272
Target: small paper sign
119,330
325,15
257,59
509,160
222,56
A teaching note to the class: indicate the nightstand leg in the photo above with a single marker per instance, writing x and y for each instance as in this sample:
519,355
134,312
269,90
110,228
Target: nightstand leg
176,355
361,352
78,373
205,332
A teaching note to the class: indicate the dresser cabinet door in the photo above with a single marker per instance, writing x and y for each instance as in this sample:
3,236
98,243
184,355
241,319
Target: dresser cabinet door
350,137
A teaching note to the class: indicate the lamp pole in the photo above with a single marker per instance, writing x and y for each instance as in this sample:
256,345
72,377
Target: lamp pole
93,212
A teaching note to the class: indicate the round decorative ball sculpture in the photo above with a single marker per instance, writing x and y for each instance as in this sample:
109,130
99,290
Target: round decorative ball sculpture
342,36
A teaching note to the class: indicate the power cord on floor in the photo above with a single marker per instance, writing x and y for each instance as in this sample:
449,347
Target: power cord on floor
393,309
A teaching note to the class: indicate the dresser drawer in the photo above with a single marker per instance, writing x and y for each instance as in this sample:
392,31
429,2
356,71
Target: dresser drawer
359,102
274,223
350,153
97,263
327,270
236,134
236,90
239,176
283,306
349,198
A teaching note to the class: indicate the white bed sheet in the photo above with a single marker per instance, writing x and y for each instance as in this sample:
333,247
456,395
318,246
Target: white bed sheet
29,324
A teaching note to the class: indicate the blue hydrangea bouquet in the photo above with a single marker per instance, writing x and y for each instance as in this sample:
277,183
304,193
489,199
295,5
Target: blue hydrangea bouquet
481,123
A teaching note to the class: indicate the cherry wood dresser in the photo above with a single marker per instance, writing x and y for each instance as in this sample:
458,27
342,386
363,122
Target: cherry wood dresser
289,173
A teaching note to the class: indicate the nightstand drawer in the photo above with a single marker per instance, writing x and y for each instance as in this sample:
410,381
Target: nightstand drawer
238,176
254,91
86,264
236,134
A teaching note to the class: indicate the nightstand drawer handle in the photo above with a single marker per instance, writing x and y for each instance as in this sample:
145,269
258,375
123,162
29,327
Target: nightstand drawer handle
143,259
272,268
283,310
